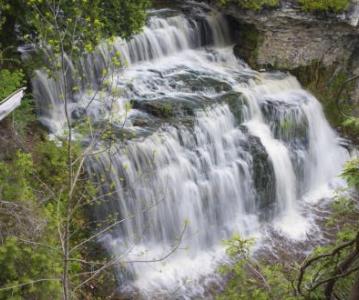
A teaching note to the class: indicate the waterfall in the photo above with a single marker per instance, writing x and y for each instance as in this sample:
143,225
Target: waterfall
214,147
160,38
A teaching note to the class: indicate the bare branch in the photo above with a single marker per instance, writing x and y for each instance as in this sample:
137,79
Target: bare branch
116,261
28,283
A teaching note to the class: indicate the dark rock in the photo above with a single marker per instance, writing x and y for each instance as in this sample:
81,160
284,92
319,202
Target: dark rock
236,101
78,113
264,179
167,107
248,39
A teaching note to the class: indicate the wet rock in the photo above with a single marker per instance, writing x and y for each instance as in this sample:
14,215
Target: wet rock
288,122
195,82
248,40
264,179
166,108
156,108
236,101
78,113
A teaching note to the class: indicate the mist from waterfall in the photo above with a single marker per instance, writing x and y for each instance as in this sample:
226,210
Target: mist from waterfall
217,148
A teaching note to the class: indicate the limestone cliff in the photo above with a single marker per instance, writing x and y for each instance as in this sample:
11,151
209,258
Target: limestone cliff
321,49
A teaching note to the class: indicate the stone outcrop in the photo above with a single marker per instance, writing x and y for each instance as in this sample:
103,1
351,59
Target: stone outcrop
316,47
289,37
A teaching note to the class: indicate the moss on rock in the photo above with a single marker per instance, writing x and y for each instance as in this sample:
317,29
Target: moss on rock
249,39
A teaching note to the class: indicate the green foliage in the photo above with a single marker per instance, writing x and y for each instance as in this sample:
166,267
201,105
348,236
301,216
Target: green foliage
124,17
238,247
341,207
82,23
250,279
352,124
3,8
251,4
345,216
278,279
79,27
351,173
324,5
22,264
308,5
34,188
24,116
15,185
30,248
75,16
53,162
10,81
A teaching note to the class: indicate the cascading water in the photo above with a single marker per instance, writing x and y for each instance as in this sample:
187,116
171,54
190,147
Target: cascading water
219,149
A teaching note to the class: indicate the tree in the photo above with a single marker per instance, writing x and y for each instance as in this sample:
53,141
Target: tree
64,31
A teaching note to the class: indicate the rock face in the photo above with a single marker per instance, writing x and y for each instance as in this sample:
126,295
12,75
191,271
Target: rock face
287,38
291,38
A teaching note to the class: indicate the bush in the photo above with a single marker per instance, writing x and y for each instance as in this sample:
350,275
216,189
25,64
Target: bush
31,257
351,173
28,235
324,5
251,4
308,5
10,81
22,263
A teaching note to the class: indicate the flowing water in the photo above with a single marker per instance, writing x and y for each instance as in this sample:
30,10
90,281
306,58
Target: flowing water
213,148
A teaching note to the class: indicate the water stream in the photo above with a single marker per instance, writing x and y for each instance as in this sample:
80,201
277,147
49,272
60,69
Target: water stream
215,147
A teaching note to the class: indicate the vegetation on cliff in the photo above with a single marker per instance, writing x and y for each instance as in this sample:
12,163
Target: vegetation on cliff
328,5
251,4
330,270
307,5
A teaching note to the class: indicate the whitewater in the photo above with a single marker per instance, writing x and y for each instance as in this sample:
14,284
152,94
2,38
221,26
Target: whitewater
213,148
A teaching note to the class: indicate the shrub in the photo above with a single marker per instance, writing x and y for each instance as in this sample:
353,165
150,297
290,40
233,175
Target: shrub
10,81
324,5
251,4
